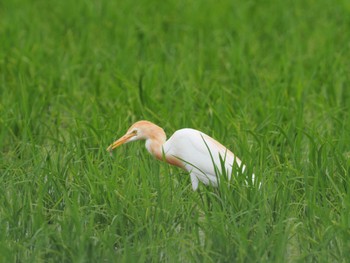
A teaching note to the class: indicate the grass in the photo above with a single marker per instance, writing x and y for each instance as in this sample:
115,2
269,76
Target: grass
269,80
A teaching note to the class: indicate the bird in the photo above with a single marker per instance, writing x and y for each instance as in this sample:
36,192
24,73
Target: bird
200,155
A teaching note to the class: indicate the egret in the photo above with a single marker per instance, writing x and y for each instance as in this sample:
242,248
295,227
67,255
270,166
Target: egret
192,150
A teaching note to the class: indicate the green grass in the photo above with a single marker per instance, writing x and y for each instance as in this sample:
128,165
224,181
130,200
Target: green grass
270,80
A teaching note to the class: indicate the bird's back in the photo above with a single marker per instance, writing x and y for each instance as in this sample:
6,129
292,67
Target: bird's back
200,154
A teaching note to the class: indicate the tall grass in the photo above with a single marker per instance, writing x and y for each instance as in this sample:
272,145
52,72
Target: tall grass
269,80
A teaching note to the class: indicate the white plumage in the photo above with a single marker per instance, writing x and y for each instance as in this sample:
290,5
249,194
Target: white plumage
202,156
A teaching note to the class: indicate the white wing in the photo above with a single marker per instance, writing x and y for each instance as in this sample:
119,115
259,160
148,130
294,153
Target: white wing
200,155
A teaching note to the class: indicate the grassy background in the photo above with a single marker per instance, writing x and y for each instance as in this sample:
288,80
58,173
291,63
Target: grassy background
269,79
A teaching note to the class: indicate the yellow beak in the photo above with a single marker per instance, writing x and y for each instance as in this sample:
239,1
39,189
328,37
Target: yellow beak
120,141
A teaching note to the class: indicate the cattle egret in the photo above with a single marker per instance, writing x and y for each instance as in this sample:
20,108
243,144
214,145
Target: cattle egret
202,156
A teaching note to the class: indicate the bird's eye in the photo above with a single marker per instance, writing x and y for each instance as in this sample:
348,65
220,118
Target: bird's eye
134,132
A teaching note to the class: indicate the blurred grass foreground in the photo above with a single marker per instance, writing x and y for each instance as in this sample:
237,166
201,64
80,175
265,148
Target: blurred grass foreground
270,80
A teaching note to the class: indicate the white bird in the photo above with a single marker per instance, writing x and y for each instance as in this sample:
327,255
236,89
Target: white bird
202,156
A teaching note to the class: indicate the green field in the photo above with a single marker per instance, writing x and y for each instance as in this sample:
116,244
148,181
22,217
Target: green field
268,79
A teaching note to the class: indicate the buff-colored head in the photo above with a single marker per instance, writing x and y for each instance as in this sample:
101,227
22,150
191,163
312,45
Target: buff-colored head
141,130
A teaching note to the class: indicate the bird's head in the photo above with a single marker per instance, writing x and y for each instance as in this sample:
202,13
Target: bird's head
141,130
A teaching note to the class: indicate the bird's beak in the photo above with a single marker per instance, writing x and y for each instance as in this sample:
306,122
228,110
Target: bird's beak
120,141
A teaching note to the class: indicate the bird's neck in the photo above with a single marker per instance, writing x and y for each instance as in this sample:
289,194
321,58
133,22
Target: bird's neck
155,148
154,142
